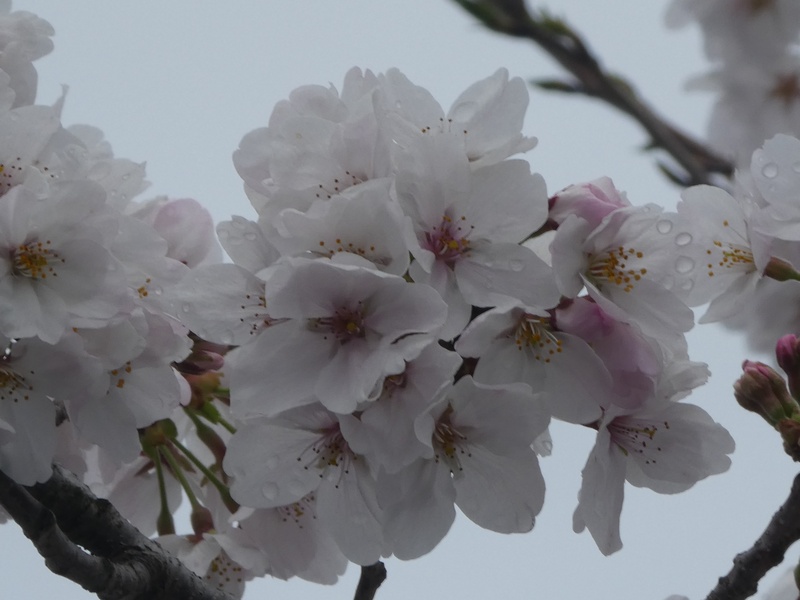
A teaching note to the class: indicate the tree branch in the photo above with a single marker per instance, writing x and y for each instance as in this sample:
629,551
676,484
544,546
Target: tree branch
372,576
511,17
61,515
767,552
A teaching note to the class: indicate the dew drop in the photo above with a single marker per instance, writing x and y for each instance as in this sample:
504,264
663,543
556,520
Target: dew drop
516,265
683,239
226,337
687,285
769,170
664,226
270,491
684,264
250,236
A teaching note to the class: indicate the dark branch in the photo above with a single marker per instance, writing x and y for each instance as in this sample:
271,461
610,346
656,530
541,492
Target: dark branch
61,515
767,552
372,576
511,17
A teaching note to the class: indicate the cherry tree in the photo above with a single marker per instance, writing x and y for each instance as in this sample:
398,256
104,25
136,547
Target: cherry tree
406,319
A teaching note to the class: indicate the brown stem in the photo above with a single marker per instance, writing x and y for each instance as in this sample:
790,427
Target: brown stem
767,552
511,17
372,576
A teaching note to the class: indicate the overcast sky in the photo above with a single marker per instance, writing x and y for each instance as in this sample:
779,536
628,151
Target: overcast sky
178,83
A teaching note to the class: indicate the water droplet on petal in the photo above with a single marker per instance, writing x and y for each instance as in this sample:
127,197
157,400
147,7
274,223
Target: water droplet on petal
667,282
683,239
687,285
250,236
684,264
664,226
516,265
270,491
769,170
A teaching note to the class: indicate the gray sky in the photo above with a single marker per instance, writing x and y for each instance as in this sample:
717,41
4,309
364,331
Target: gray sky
178,83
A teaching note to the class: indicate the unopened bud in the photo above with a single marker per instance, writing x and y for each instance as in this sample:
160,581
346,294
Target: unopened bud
202,520
790,432
787,351
780,270
762,390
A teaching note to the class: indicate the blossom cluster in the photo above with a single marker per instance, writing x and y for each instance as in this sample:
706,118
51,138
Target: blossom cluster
398,326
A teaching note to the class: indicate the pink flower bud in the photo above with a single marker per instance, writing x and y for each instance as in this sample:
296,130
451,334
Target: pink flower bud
590,201
762,390
787,352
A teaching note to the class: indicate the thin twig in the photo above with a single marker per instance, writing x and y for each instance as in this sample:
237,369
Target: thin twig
767,552
372,576
511,17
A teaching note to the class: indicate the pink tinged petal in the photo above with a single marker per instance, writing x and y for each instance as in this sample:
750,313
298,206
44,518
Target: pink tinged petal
188,228
224,304
433,175
278,370
679,444
263,459
504,419
246,244
774,171
569,258
507,202
150,393
492,112
29,310
418,508
501,493
28,457
653,308
109,424
495,273
601,494
348,509
292,542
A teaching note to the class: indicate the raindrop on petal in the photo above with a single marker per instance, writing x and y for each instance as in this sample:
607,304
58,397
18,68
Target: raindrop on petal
769,170
684,264
664,226
516,265
683,239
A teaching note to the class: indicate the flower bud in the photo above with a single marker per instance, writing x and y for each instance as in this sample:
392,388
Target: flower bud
787,351
202,520
780,270
762,390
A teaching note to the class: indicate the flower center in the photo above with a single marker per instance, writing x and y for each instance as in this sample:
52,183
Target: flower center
637,437
729,257
35,260
345,324
449,444
449,241
534,334
612,267
12,385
